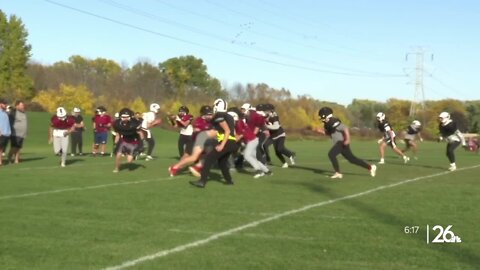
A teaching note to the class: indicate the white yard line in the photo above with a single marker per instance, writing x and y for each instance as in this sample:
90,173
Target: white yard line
252,235
253,224
33,194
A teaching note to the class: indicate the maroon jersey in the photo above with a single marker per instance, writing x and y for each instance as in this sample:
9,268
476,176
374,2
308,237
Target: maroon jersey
241,128
185,118
200,124
255,120
102,122
65,123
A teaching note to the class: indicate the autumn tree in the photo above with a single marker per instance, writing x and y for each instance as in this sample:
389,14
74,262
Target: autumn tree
66,96
189,77
14,55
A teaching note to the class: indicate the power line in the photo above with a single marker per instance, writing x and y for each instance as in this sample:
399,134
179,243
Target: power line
222,50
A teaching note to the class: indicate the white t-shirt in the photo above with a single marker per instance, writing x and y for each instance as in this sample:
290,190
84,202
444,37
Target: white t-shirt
148,118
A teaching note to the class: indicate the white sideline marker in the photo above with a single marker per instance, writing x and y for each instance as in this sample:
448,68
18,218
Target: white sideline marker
216,236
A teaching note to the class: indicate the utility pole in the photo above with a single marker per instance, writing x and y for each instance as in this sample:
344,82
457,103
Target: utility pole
419,96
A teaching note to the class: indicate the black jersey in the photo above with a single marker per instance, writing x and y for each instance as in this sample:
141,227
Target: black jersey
412,129
273,124
220,117
448,129
331,126
128,129
385,128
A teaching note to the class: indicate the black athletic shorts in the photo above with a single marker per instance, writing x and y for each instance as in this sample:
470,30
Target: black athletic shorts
16,142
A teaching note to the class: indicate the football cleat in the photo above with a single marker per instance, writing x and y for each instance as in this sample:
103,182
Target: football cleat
373,170
337,175
258,175
382,161
195,170
406,159
285,165
199,183
292,159
452,168
173,171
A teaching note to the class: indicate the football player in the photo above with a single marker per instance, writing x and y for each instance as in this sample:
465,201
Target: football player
149,121
264,139
244,132
183,120
204,141
224,124
450,133
413,131
77,134
340,135
128,136
61,126
388,139
277,134
102,122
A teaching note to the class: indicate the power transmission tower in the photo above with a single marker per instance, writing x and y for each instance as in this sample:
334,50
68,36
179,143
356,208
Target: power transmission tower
419,96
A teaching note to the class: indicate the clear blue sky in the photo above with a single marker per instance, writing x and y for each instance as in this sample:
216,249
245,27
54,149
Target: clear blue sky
330,50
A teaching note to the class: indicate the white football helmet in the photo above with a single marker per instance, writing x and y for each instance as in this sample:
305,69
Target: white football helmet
61,112
154,107
380,116
76,110
416,123
444,117
234,115
220,105
246,106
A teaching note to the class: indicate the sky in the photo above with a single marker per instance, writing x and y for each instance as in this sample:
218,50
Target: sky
330,50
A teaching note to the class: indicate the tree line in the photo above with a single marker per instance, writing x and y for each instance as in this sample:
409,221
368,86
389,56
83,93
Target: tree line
184,80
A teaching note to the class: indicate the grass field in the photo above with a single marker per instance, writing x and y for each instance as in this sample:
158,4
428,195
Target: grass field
86,217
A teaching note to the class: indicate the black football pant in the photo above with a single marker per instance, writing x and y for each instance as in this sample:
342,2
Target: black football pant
280,149
151,145
183,141
222,158
451,146
262,148
77,142
339,148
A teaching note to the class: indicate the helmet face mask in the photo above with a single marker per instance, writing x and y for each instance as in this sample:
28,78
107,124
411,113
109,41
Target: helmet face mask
183,110
61,113
416,123
380,116
325,114
126,114
444,117
154,107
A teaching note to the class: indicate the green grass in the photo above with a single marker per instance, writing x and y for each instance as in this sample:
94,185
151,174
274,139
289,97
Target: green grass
85,217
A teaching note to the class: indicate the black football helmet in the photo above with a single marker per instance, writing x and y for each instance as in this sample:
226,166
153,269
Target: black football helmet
206,109
183,109
269,107
126,113
325,113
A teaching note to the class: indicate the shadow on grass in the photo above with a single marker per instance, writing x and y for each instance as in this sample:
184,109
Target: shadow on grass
31,159
73,161
131,166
